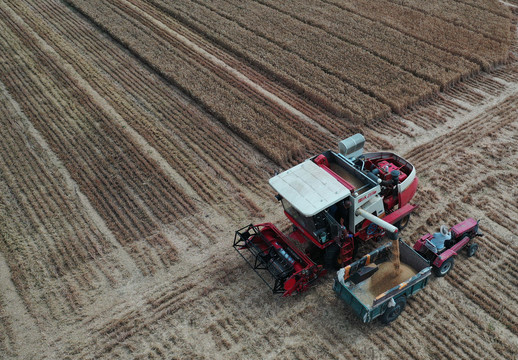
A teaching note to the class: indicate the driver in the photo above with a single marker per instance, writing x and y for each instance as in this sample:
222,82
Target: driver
342,211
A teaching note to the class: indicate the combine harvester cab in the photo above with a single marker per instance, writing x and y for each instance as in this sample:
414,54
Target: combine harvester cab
334,201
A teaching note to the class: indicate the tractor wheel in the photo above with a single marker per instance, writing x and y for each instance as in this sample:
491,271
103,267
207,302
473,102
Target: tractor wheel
393,312
444,268
472,249
331,257
403,223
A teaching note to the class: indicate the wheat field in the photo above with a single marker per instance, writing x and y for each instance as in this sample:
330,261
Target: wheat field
138,135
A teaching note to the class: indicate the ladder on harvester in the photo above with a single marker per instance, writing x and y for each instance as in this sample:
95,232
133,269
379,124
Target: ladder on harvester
347,250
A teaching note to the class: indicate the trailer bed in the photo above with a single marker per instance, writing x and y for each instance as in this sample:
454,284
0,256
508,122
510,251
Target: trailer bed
369,305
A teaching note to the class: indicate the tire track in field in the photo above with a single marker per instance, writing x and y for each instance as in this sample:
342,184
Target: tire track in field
462,104
73,77
120,323
130,179
479,123
45,225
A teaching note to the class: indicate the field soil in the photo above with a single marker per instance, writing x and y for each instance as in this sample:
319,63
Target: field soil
138,136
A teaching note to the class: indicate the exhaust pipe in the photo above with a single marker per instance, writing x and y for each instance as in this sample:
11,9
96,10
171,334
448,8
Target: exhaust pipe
376,220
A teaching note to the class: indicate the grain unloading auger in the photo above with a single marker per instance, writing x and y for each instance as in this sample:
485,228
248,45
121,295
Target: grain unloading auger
334,201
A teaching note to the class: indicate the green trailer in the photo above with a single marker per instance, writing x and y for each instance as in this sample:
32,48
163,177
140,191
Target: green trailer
354,283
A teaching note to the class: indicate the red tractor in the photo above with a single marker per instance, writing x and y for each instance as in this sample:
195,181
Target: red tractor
441,247
335,201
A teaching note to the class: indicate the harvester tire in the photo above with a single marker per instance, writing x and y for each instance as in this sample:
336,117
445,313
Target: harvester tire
331,257
444,268
393,312
403,223
472,249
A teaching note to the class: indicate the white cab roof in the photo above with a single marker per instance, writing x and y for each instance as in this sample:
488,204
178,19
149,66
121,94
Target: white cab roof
309,188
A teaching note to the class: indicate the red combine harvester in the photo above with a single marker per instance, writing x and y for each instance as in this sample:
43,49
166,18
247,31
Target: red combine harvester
335,201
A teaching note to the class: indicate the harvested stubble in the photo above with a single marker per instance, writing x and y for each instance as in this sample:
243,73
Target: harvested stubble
106,154
6,331
51,247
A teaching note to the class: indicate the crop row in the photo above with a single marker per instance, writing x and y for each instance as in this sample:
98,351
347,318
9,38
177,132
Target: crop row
493,6
297,122
408,53
126,188
248,117
170,124
262,79
290,69
495,27
492,302
464,344
437,32
351,64
234,28
122,326
147,13
497,202
148,23
268,83
450,340
493,267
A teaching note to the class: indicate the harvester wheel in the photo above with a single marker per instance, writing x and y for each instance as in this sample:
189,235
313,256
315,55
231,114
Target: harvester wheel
393,312
403,223
444,268
331,257
472,249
